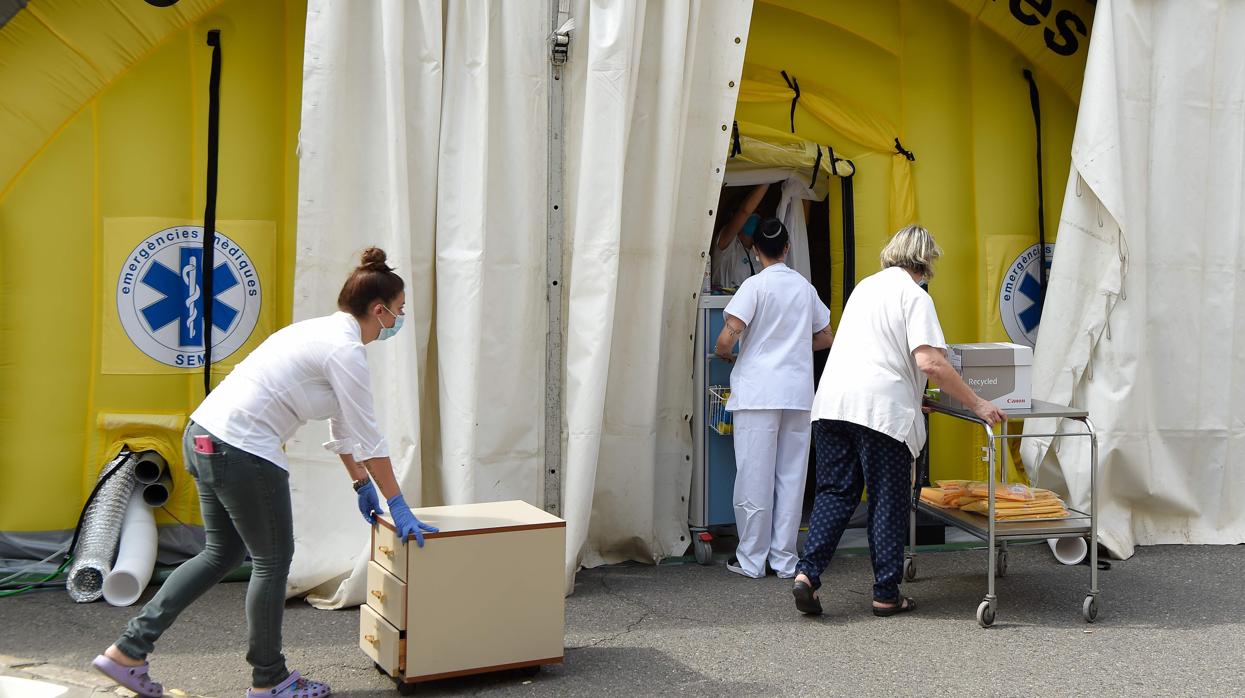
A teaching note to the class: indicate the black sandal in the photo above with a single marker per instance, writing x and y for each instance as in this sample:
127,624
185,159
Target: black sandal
903,604
805,601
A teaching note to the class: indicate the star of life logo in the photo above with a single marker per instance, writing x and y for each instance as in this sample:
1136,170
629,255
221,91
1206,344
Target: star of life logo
160,297
1020,295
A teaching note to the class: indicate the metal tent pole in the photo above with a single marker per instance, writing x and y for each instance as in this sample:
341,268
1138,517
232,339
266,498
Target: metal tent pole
559,40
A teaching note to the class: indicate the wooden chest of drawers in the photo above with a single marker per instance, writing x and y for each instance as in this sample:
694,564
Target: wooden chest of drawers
483,594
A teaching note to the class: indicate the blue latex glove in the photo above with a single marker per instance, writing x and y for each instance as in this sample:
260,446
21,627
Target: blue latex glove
369,503
405,521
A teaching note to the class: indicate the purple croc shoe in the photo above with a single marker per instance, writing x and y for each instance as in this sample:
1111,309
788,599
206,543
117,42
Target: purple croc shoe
293,687
134,678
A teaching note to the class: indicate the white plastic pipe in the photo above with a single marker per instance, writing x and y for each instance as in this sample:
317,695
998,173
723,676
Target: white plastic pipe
149,467
157,493
136,558
1069,551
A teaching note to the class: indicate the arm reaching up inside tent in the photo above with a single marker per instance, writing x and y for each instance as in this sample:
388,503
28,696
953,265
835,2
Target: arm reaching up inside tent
735,227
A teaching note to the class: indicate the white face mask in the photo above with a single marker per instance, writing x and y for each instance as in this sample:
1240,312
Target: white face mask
387,332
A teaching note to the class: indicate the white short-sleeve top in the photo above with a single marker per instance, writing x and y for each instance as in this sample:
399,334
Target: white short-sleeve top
732,266
871,377
774,370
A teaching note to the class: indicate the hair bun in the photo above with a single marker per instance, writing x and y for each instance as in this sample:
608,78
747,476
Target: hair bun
373,259
772,228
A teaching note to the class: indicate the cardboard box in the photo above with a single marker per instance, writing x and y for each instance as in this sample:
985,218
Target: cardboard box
1000,372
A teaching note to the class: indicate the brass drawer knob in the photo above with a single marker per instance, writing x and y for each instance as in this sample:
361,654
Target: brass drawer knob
385,550
371,639
380,595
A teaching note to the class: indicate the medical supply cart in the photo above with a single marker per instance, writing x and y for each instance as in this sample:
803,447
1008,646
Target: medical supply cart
713,450
997,534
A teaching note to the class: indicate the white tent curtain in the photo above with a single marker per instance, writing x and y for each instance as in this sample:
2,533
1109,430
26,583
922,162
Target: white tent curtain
1143,323
652,94
425,132
370,131
795,191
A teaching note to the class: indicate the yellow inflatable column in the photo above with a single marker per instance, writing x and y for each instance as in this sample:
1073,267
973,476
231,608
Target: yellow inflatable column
48,318
938,97
1005,184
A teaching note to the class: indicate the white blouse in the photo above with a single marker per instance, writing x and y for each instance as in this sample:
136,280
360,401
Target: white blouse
314,369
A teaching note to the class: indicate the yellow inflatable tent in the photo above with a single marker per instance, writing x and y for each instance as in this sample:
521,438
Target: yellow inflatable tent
103,159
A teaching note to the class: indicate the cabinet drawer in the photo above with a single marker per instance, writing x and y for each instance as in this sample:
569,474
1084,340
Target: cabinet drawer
386,594
379,640
388,550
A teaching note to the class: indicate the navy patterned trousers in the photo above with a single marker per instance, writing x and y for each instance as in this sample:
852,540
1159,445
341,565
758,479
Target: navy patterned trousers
850,457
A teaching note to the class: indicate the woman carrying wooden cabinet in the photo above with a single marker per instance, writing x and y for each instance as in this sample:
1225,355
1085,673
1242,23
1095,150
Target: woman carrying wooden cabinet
315,369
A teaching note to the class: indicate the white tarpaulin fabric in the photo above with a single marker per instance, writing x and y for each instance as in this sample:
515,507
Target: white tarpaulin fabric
1142,324
372,77
425,132
652,95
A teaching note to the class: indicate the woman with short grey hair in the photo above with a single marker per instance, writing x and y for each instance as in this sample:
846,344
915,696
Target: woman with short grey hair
867,424
912,248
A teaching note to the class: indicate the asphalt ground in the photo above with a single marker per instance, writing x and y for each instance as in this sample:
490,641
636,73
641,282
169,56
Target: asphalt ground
1171,622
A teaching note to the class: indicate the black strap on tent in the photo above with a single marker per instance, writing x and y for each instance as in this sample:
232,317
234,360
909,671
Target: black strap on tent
812,182
1035,103
903,151
209,208
849,232
794,84
736,149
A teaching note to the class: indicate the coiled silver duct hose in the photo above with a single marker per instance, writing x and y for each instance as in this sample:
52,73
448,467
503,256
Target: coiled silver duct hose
101,532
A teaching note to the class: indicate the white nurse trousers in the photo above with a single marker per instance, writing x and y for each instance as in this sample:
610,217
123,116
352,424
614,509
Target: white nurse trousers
771,463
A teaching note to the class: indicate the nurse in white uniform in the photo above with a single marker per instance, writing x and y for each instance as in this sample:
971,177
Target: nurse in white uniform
779,322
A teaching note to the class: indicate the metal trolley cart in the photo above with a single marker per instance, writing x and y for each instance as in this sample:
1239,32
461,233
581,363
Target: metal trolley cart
998,533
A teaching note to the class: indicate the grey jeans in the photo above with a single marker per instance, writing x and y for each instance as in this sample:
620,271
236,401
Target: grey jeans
245,501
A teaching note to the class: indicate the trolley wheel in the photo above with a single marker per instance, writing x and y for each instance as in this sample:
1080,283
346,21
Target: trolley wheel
1089,609
985,614
530,671
703,550
407,689
1000,564
909,569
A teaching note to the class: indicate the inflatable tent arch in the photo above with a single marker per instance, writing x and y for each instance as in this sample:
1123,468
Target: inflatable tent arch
104,149
104,146
805,171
